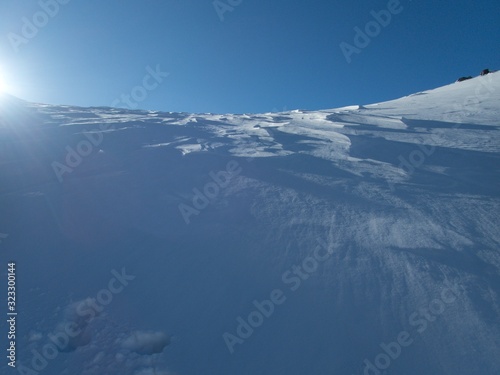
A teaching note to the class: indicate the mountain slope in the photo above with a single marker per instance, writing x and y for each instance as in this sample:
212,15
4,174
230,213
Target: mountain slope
355,240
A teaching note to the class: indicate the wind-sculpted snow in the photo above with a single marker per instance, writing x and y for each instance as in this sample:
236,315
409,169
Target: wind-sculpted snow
356,240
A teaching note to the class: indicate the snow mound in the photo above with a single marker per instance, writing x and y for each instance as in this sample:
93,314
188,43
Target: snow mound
146,343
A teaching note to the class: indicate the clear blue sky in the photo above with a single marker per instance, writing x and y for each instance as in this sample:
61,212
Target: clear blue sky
265,55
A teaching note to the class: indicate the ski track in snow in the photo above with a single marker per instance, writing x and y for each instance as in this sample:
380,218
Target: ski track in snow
405,192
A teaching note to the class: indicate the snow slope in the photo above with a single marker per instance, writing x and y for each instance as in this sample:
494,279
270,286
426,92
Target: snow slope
357,240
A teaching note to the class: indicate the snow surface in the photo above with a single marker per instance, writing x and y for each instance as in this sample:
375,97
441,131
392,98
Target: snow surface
390,210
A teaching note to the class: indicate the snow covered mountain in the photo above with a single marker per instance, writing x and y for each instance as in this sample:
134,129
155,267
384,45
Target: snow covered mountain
357,240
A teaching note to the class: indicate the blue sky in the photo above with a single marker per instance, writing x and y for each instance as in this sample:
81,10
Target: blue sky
263,55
